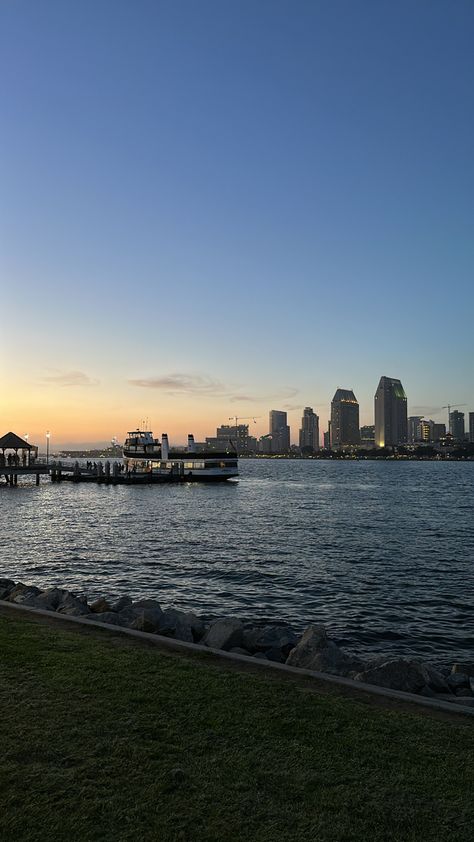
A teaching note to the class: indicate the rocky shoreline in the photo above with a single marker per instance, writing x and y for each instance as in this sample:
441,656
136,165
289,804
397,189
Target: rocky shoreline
313,650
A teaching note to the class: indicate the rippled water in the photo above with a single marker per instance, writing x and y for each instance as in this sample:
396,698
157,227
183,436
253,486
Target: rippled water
382,552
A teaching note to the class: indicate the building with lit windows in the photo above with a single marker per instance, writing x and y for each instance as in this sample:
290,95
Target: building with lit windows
309,432
344,419
456,425
438,431
412,428
238,435
279,431
391,422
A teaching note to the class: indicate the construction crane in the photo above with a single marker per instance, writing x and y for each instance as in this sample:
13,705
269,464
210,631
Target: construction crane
238,418
449,407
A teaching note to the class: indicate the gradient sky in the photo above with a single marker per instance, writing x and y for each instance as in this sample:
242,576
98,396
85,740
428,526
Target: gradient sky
216,208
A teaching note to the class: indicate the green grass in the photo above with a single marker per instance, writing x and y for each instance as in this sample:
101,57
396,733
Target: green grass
101,741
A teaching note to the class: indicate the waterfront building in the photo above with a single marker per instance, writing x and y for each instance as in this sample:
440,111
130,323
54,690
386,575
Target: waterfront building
437,431
265,444
238,435
309,433
279,431
471,427
412,428
456,425
424,431
327,438
344,419
391,423
367,434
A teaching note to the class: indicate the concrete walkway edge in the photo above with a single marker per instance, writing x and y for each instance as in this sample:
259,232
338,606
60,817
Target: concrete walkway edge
264,666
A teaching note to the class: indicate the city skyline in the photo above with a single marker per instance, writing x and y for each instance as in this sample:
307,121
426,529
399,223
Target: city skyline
251,211
276,423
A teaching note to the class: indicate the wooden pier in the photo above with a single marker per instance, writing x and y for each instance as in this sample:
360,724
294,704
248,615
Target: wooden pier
101,474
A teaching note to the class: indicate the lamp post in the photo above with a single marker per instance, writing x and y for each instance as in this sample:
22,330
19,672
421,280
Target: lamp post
48,434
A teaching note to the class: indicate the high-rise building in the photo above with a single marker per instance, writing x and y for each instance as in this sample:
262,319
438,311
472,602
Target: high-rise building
344,419
424,431
456,425
279,431
367,437
471,427
412,428
309,433
437,431
391,423
327,438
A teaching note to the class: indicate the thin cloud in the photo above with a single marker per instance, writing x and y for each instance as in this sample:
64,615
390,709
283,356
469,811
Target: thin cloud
182,384
284,394
70,378
205,386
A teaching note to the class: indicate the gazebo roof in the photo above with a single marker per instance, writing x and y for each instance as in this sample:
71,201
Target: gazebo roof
13,442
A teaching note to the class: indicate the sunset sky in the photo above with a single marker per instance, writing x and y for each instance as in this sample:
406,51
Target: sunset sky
217,208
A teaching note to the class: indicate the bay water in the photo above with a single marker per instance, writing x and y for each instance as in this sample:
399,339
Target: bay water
381,552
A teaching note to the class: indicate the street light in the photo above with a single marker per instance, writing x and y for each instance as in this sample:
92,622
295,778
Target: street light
48,434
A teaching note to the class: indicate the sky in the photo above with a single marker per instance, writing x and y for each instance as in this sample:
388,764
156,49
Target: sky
213,209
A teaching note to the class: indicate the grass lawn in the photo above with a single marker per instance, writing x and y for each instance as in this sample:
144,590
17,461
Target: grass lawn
110,741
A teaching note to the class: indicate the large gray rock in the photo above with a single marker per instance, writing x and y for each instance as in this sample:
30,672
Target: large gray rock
6,587
316,651
44,601
78,610
174,623
198,627
224,634
144,615
140,622
434,679
73,606
457,680
22,592
121,604
101,605
48,600
147,603
275,639
404,674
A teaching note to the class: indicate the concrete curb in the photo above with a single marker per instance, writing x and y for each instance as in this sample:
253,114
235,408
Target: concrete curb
232,657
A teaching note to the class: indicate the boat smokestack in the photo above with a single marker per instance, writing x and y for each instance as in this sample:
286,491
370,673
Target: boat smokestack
191,447
165,448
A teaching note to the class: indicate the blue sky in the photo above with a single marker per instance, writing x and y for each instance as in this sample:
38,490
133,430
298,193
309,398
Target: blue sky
210,208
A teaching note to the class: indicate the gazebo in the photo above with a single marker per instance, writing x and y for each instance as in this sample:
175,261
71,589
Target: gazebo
11,446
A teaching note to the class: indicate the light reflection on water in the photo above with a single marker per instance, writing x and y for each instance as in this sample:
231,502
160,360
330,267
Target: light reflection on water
382,552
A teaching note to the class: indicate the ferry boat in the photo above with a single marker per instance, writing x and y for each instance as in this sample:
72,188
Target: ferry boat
146,457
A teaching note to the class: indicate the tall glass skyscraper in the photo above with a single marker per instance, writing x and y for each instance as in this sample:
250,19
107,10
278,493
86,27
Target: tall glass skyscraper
344,419
391,425
279,431
456,425
309,433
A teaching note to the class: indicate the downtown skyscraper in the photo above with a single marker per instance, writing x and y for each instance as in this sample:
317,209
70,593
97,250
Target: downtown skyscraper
279,431
344,419
391,423
309,432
